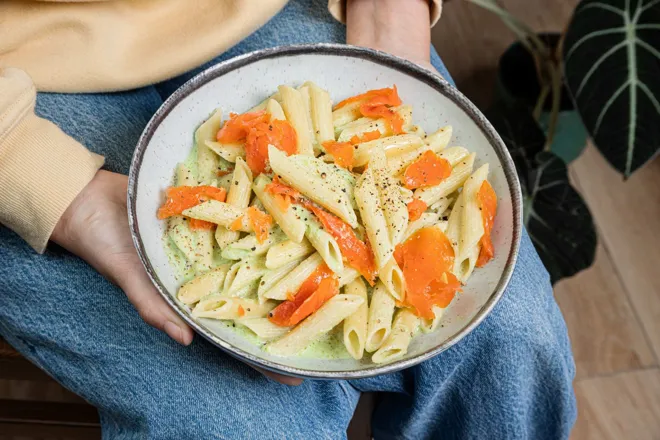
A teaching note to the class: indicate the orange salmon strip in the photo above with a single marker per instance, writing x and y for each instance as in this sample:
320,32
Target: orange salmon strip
488,203
260,223
415,209
180,198
424,258
258,130
376,104
342,152
428,170
282,314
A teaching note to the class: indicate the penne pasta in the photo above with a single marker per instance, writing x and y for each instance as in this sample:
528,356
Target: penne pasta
249,246
471,227
248,272
307,102
238,195
439,139
418,130
273,276
379,324
392,277
294,279
220,213
222,307
334,311
207,161
396,345
290,222
454,155
427,219
323,242
208,283
355,325
459,174
391,200
274,109
429,325
263,328
287,251
321,109
371,211
392,145
345,115
347,276
229,152
296,113
319,181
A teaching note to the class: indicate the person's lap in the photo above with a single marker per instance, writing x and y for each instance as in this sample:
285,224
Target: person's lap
510,377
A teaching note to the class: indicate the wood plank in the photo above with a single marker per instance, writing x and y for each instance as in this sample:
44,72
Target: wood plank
49,391
624,406
604,333
628,216
48,413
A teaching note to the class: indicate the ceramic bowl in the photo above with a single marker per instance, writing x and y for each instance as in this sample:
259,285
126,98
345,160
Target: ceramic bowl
240,83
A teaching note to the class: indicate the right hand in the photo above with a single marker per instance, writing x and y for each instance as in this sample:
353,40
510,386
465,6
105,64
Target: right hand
95,228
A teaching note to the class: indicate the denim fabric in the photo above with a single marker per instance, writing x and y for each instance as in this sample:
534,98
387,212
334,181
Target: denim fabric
510,378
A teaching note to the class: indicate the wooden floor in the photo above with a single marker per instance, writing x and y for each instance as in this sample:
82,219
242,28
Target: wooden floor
613,309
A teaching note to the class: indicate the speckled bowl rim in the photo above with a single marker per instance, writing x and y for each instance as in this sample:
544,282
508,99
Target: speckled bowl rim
426,76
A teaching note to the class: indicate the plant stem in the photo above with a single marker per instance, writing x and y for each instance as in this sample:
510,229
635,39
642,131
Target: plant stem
555,81
543,95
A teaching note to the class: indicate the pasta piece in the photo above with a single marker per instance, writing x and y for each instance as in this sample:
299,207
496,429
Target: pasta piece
323,242
207,161
458,176
263,104
249,246
319,181
392,277
292,281
427,219
429,325
248,272
203,249
471,225
273,276
361,126
238,195
307,102
321,113
400,162
208,283
439,139
220,213
334,311
371,211
275,110
441,205
229,152
396,345
287,251
264,329
184,177
345,115
392,145
418,130
290,222
222,307
296,114
224,181
394,209
454,155
231,274
181,235
355,326
379,324
348,275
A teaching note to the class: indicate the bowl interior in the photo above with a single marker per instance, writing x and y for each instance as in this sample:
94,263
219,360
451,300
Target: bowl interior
241,84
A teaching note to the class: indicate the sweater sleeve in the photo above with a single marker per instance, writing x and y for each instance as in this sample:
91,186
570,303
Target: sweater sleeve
338,10
41,168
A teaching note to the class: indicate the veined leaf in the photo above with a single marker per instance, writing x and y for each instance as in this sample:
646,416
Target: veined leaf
557,219
612,69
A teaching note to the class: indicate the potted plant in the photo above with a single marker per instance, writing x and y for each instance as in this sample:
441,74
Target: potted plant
601,77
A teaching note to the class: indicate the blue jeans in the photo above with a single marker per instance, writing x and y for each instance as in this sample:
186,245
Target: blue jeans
510,378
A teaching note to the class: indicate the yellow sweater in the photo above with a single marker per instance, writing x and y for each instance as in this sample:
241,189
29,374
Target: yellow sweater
92,46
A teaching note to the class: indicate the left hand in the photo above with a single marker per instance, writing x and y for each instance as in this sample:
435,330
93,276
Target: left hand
399,27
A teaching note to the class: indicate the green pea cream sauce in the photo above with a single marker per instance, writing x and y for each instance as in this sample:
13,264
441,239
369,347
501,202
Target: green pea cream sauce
329,346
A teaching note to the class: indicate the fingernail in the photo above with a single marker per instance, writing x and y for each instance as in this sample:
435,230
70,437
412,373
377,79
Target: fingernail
173,331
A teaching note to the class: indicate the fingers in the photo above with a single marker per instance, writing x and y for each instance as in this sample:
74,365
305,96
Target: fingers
285,380
151,306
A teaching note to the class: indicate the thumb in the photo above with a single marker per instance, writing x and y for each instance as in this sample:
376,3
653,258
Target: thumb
153,309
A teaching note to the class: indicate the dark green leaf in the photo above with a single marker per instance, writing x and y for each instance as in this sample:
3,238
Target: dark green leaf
557,219
612,69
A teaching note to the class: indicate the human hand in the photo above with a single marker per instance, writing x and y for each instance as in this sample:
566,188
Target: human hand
394,26
95,228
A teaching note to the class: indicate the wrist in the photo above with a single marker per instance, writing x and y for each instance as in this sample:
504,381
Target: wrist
401,28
